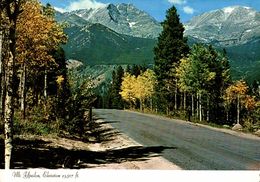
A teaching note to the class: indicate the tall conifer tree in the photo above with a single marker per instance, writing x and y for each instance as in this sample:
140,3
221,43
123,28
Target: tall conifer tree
115,100
171,47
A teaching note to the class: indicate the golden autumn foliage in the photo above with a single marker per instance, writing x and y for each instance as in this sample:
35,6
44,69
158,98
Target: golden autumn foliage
250,102
37,35
237,90
60,79
237,93
128,87
140,88
144,85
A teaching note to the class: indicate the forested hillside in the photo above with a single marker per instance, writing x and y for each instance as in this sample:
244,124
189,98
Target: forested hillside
96,44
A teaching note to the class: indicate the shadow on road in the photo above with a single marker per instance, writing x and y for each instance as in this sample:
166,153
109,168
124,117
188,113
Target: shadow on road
95,133
38,154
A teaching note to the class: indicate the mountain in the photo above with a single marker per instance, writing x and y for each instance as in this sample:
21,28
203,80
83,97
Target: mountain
71,19
235,28
122,34
100,39
230,26
96,44
122,18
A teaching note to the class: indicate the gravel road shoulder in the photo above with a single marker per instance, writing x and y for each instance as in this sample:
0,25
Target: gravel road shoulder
223,130
121,141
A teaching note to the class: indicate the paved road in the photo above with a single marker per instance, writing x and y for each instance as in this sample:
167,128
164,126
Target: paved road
196,147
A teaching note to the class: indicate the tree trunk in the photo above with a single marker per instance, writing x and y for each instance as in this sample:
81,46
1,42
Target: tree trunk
131,105
184,100
200,107
227,117
45,85
12,12
197,106
151,104
238,109
175,97
192,104
141,105
3,87
1,69
208,108
22,89
9,110
181,102
1,47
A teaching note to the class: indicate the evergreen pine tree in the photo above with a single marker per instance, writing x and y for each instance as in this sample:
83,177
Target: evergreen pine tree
171,47
128,69
135,70
115,99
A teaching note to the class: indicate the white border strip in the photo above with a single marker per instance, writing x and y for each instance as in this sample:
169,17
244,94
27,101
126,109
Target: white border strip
40,175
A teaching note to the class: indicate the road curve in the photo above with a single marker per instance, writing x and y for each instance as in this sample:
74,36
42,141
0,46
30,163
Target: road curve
193,147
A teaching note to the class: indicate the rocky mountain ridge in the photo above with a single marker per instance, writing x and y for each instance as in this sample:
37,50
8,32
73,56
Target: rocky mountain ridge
122,18
96,44
225,27
122,34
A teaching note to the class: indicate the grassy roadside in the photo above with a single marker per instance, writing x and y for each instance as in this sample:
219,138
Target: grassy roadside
181,117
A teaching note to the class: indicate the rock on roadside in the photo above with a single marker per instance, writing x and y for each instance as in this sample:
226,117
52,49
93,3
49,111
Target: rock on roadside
257,133
237,127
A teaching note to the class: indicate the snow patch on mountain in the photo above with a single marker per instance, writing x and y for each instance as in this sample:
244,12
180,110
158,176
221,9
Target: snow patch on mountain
131,24
233,25
124,19
229,10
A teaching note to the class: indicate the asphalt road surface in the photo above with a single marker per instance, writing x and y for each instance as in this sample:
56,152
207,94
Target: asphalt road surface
191,147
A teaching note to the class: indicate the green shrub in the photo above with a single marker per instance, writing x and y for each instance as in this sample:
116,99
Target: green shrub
33,125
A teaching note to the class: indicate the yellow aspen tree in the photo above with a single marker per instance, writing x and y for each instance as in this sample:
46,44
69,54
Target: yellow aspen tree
127,87
182,71
144,87
237,93
38,35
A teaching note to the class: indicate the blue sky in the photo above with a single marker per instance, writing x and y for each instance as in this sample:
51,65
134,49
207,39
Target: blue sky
157,8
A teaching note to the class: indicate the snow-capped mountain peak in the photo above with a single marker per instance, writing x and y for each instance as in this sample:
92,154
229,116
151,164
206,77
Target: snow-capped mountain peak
122,18
227,26
229,10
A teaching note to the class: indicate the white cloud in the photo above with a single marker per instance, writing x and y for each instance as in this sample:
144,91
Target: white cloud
81,4
188,10
177,1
